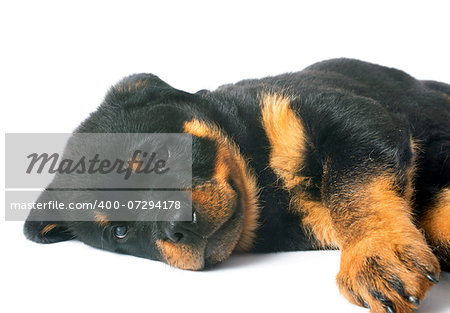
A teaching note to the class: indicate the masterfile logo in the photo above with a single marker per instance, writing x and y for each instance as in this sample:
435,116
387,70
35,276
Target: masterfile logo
69,176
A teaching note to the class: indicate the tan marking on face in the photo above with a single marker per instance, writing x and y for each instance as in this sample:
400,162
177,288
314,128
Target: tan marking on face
436,222
101,218
135,164
230,164
48,228
180,255
214,200
225,248
287,138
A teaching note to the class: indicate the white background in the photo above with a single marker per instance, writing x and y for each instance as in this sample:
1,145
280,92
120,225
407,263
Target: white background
58,58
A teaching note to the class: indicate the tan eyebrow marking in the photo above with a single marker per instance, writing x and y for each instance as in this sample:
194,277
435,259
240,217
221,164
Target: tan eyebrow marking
101,219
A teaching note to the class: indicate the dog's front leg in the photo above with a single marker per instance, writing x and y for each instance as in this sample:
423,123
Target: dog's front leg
385,262
352,187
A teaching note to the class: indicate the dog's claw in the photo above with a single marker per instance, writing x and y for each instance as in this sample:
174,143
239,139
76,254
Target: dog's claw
432,278
414,300
389,309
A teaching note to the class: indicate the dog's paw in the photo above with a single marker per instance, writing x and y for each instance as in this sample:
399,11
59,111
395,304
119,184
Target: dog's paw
387,276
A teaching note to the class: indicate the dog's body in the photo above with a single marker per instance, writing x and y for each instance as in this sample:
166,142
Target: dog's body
343,154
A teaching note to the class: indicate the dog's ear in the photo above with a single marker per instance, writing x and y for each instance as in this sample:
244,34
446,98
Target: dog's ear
141,81
46,232
42,226
142,89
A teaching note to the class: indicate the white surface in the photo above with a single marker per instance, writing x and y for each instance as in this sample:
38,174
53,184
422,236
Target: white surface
56,62
73,277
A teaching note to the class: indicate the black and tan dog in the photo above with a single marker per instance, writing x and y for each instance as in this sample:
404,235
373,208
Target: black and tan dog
343,154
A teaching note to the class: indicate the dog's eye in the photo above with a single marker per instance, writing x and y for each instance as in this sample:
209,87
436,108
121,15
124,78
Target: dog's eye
120,231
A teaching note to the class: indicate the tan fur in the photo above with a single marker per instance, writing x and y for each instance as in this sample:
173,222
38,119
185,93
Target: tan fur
101,219
180,255
383,230
316,220
215,201
287,138
370,210
48,228
358,275
135,164
436,222
231,164
374,205
137,85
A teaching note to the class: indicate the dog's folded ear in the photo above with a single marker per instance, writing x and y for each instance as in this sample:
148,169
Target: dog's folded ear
141,81
46,232
42,226
142,89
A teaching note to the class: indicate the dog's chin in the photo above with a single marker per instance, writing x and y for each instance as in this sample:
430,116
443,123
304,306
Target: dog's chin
223,242
193,257
203,253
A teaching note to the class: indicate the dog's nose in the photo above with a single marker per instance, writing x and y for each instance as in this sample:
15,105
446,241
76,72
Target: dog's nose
182,231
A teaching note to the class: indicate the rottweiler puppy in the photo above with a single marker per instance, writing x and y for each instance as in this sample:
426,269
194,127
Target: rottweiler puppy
342,155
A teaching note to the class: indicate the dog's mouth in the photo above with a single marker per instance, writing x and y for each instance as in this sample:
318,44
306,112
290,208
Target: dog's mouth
203,251
223,242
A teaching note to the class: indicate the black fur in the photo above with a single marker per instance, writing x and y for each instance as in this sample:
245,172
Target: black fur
358,114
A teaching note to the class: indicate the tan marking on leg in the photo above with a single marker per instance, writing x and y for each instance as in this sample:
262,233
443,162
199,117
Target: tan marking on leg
287,138
436,222
374,262
371,208
316,220
379,244
376,208
231,164
48,228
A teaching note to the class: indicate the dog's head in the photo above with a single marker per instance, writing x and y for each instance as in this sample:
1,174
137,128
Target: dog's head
223,190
